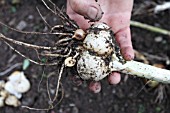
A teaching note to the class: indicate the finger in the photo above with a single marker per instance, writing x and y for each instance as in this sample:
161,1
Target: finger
114,78
123,38
87,8
95,86
83,24
80,20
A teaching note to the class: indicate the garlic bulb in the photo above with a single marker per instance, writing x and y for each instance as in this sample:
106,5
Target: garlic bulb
99,46
93,63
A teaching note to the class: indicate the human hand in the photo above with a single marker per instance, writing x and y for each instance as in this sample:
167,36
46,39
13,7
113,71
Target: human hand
117,15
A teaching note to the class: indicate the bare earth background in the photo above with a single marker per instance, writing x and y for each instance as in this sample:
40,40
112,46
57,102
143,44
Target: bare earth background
126,97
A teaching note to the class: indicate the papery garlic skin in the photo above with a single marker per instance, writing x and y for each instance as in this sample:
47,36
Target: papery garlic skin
3,93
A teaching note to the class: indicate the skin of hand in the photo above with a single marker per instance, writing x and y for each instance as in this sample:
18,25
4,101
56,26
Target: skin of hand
117,14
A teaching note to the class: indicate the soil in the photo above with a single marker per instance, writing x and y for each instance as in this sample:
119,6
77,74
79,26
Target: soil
131,95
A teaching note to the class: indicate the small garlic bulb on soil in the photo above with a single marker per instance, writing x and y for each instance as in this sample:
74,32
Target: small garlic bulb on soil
17,84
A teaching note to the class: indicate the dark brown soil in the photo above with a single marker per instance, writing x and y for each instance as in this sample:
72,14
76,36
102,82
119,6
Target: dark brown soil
129,96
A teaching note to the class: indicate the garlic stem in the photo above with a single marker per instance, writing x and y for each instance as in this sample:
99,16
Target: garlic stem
141,70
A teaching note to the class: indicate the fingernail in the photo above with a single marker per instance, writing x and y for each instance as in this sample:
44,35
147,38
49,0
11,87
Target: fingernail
95,87
127,53
114,78
92,13
129,57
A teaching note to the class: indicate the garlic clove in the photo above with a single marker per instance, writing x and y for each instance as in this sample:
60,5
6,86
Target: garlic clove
70,62
2,84
20,82
15,76
2,101
10,88
3,93
23,87
11,100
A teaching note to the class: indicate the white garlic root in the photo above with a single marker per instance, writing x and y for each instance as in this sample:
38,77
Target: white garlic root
99,59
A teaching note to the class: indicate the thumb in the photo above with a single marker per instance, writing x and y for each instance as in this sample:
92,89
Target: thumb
87,8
